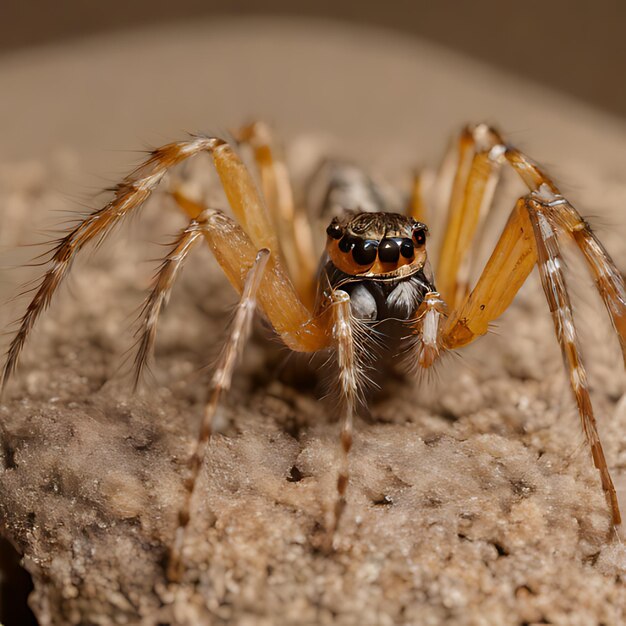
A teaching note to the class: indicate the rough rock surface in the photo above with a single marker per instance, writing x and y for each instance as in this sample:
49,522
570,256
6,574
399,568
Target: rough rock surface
473,498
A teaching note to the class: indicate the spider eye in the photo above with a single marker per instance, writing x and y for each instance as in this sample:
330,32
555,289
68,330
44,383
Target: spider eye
334,231
347,243
406,249
388,251
419,236
364,251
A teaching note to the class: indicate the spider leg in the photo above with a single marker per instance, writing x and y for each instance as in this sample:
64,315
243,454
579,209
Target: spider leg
297,327
608,278
220,383
160,294
235,253
417,208
555,289
130,194
510,264
475,180
528,238
345,335
262,281
290,221
163,284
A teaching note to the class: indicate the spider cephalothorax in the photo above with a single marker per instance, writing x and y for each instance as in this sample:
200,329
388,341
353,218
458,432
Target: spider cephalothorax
375,267
380,260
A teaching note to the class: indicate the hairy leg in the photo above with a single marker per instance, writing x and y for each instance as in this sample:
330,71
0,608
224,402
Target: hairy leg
235,253
162,288
129,195
608,278
477,174
555,288
221,381
529,238
261,281
345,339
298,328
477,309
334,326
290,222
428,327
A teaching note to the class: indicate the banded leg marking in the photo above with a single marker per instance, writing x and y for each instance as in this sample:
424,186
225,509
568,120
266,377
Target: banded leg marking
555,288
349,375
221,381
129,195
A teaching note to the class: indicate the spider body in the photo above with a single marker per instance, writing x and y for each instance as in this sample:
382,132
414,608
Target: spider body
375,269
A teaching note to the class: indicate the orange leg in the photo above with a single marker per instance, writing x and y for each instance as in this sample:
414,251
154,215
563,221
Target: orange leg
473,188
417,207
260,281
235,253
529,238
291,315
290,222
510,264
515,256
608,278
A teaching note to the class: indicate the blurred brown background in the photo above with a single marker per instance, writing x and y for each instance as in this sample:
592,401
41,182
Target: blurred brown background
577,47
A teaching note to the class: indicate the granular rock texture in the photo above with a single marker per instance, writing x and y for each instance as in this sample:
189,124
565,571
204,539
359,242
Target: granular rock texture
473,499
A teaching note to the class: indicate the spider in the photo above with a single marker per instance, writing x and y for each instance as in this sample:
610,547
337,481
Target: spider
374,270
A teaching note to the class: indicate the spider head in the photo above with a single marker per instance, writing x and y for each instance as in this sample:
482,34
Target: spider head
377,245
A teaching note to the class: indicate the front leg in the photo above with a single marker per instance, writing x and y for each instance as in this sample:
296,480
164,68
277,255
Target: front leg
132,192
345,336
